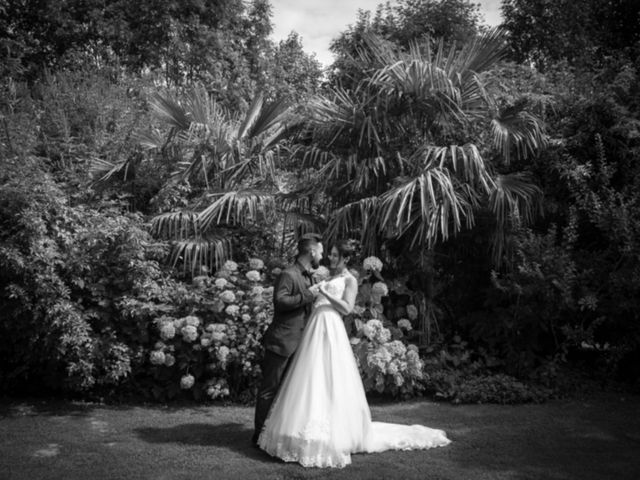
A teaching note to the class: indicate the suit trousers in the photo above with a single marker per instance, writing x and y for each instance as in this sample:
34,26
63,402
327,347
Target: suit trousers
273,367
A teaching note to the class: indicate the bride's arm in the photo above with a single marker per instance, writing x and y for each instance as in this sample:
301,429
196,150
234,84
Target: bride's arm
345,304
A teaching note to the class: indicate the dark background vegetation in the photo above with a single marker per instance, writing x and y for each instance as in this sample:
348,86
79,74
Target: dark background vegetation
143,143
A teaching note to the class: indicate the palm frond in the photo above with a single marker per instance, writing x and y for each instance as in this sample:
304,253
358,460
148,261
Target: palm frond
152,139
105,169
514,200
236,207
465,161
168,109
176,225
195,253
430,204
358,216
516,129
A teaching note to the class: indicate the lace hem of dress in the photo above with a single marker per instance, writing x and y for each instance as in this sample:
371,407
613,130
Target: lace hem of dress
306,456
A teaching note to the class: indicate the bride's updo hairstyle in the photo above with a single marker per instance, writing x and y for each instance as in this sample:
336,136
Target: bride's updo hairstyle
346,249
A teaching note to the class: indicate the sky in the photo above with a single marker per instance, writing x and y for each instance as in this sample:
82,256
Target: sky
320,21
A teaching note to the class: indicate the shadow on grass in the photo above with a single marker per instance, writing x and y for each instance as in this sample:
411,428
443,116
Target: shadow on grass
231,436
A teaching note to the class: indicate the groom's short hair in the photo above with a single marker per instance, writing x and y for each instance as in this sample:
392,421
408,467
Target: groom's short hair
307,242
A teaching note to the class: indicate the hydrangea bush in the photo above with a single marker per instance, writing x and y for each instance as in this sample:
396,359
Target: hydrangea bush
388,364
214,351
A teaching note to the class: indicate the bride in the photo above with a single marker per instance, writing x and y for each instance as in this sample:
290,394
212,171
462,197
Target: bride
320,415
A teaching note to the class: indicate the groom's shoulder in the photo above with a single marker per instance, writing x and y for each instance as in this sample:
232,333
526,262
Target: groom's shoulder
291,270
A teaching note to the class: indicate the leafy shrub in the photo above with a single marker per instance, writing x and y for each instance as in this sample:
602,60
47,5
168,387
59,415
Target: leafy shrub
460,375
62,270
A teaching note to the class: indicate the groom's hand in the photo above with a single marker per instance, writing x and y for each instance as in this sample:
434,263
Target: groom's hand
315,289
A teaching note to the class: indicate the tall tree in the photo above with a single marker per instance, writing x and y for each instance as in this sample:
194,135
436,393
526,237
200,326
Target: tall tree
406,21
579,31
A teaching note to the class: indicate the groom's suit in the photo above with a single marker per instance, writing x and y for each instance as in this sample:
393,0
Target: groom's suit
292,303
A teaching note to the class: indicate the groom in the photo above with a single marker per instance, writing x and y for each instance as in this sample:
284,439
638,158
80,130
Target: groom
292,301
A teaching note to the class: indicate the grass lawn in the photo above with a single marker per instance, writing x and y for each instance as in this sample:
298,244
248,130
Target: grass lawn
593,438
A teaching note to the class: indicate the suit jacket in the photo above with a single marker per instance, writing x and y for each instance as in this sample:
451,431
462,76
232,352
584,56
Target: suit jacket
292,303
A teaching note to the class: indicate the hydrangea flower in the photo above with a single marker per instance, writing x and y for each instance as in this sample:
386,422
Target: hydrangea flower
261,316
189,333
412,312
379,359
404,324
257,290
167,331
253,275
228,296
205,341
372,264
192,320
223,354
230,266
220,283
169,360
276,271
368,332
380,288
157,357
396,348
187,381
245,317
321,273
159,346
178,323
232,310
218,336
374,324
384,335
256,264
392,368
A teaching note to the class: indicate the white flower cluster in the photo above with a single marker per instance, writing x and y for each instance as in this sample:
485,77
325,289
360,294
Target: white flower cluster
217,332
157,357
257,290
228,296
405,324
412,312
189,333
167,331
380,288
256,264
372,264
218,389
374,330
169,360
232,310
220,283
321,273
253,275
230,266
187,381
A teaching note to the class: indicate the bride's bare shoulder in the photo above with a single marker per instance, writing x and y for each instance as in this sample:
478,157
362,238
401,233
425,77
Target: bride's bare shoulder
350,278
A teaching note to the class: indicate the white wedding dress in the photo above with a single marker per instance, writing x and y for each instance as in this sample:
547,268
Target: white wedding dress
320,415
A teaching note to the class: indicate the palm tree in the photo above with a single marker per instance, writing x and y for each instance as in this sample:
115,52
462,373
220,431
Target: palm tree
233,158
415,150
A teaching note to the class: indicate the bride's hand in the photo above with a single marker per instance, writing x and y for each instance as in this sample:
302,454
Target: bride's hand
315,289
322,288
